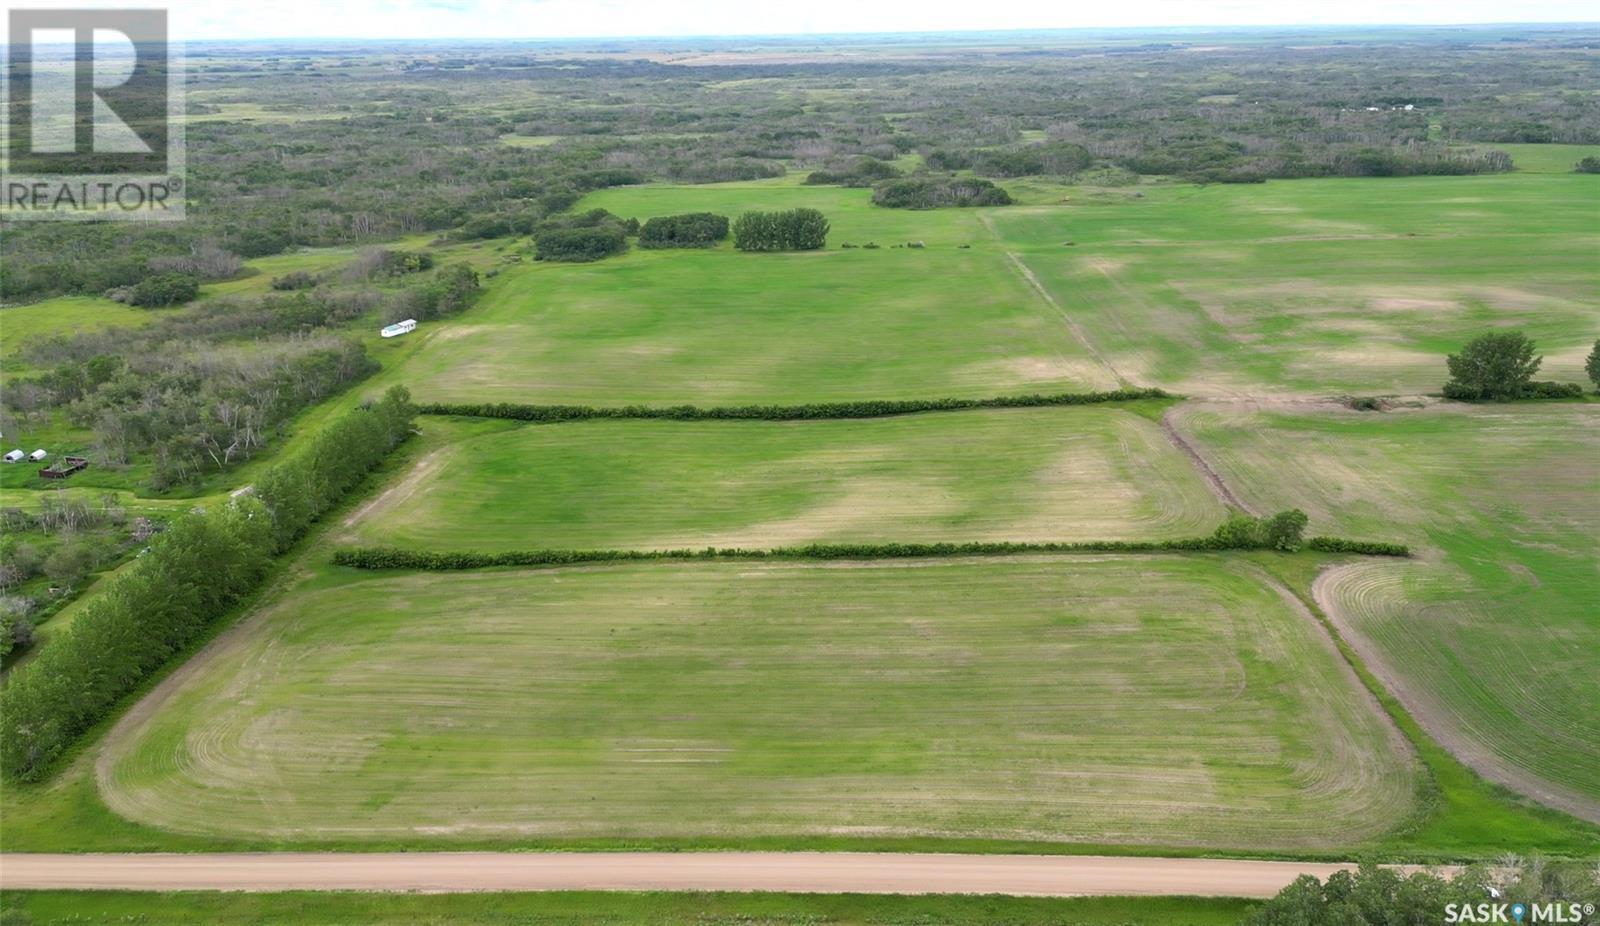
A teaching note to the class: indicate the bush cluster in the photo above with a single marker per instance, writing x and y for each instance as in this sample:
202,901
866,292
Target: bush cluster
163,290
790,230
816,411
935,193
202,565
690,230
863,172
579,245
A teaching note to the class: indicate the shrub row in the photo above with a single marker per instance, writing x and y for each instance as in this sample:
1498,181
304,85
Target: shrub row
202,565
815,411
297,491
1538,389
394,558
1364,547
935,193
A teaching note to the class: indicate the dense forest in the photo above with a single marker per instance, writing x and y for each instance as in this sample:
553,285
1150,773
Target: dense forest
346,144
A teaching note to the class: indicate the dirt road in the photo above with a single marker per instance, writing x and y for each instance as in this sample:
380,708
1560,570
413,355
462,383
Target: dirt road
803,872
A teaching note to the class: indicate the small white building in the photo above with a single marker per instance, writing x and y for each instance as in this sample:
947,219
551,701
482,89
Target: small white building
399,328
15,456
38,455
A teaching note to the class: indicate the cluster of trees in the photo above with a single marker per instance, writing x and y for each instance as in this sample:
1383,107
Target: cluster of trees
583,237
1284,531
579,245
1374,896
451,289
861,172
199,568
1499,366
938,192
690,230
789,230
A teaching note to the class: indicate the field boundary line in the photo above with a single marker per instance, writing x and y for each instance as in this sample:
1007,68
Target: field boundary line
1212,478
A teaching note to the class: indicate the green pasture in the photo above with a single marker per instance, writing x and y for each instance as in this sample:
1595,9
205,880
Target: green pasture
1490,635
1168,701
723,327
1077,473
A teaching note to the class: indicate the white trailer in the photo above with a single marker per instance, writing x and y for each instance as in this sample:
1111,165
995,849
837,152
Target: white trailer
38,455
399,328
15,456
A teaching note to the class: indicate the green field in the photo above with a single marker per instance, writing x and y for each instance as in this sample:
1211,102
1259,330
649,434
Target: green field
1320,286
723,327
1076,473
1137,700
1490,635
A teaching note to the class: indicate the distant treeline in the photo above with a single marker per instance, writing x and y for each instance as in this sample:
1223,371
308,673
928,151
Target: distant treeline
393,558
204,564
878,408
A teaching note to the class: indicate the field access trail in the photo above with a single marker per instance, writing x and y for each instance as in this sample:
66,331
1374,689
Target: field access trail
804,872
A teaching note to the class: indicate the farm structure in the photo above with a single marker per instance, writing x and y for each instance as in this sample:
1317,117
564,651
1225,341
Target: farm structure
63,467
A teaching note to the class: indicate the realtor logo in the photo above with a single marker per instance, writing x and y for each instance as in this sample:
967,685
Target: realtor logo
93,116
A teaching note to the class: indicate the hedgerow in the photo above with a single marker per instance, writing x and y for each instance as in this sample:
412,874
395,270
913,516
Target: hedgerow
444,561
202,565
815,411
1364,547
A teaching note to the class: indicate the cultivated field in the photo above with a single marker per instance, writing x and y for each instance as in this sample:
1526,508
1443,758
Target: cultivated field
1076,473
1318,286
1136,700
1490,635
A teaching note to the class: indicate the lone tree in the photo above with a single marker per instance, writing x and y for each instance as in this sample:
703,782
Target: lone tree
1592,366
1496,366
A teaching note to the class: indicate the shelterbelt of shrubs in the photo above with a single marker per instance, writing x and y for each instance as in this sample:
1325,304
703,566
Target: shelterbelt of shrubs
201,566
394,558
815,411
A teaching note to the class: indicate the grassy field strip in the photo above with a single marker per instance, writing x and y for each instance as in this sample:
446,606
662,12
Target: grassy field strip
1490,639
1086,473
1142,700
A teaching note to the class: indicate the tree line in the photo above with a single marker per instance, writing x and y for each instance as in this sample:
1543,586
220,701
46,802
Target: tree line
872,408
202,566
432,560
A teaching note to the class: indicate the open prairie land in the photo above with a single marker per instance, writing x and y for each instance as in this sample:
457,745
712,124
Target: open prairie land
1076,473
1490,634
1142,700
1318,286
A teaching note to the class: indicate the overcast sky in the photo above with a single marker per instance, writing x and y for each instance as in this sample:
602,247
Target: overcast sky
238,19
